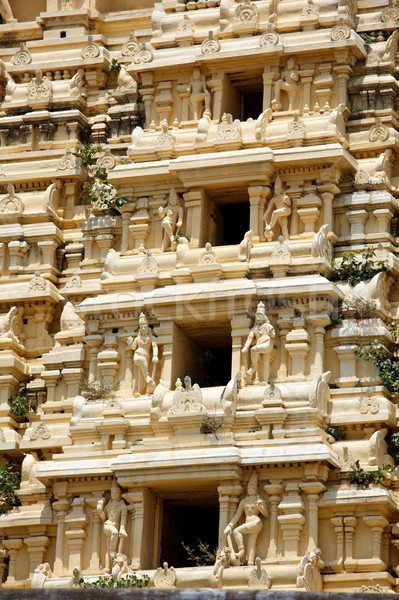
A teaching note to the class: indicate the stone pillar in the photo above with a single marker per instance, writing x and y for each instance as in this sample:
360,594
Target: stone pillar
268,78
377,525
147,93
343,72
229,492
357,219
274,490
347,365
318,322
108,359
13,546
257,195
384,217
297,345
240,327
36,547
165,340
350,525
155,203
3,266
93,341
194,202
339,535
136,502
284,324
306,80
51,378
72,377
292,519
216,86
94,565
313,490
61,506
126,215
48,248
76,523
184,93
327,192
16,252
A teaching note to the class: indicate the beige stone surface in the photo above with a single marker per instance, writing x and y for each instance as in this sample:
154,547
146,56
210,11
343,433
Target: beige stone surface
254,142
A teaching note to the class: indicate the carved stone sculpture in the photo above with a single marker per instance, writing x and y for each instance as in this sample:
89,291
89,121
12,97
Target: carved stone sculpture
6,12
41,573
250,507
288,83
200,95
142,345
40,87
187,399
11,203
9,327
223,557
309,567
114,515
172,219
280,204
165,577
69,320
260,344
245,247
259,578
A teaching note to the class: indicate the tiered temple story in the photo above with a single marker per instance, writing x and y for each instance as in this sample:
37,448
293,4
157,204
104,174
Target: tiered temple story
189,332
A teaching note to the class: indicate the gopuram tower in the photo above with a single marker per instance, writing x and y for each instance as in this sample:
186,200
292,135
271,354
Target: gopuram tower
199,298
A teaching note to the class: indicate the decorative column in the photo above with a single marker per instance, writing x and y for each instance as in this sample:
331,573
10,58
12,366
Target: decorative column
297,345
339,536
194,203
292,519
384,217
16,251
94,565
327,192
268,78
165,340
2,258
140,223
306,80
61,506
184,93
72,378
216,86
257,196
284,324
51,378
136,502
347,365
76,523
313,490
240,327
357,220
147,93
93,341
343,72
126,215
48,248
318,322
155,203
229,492
108,359
377,525
36,547
13,546
350,525
274,490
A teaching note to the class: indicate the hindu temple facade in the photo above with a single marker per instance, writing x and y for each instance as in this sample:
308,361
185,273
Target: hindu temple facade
237,149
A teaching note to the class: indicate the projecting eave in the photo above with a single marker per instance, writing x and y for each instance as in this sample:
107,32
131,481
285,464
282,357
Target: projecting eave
305,285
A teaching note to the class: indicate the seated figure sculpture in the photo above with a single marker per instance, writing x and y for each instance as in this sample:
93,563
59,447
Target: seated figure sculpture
142,345
114,515
280,204
252,506
172,219
287,83
260,341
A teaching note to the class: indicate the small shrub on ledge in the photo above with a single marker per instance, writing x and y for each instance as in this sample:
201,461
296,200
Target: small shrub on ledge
107,581
95,390
357,266
388,368
358,476
9,480
22,402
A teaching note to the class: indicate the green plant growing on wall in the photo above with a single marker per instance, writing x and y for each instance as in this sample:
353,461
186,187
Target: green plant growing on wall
9,480
211,424
366,40
107,581
98,190
114,66
358,476
336,431
200,556
360,308
393,447
388,368
95,390
22,402
357,266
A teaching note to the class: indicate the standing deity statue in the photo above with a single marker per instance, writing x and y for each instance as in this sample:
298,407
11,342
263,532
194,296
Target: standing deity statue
142,345
280,204
251,507
287,83
260,341
114,515
172,219
200,95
